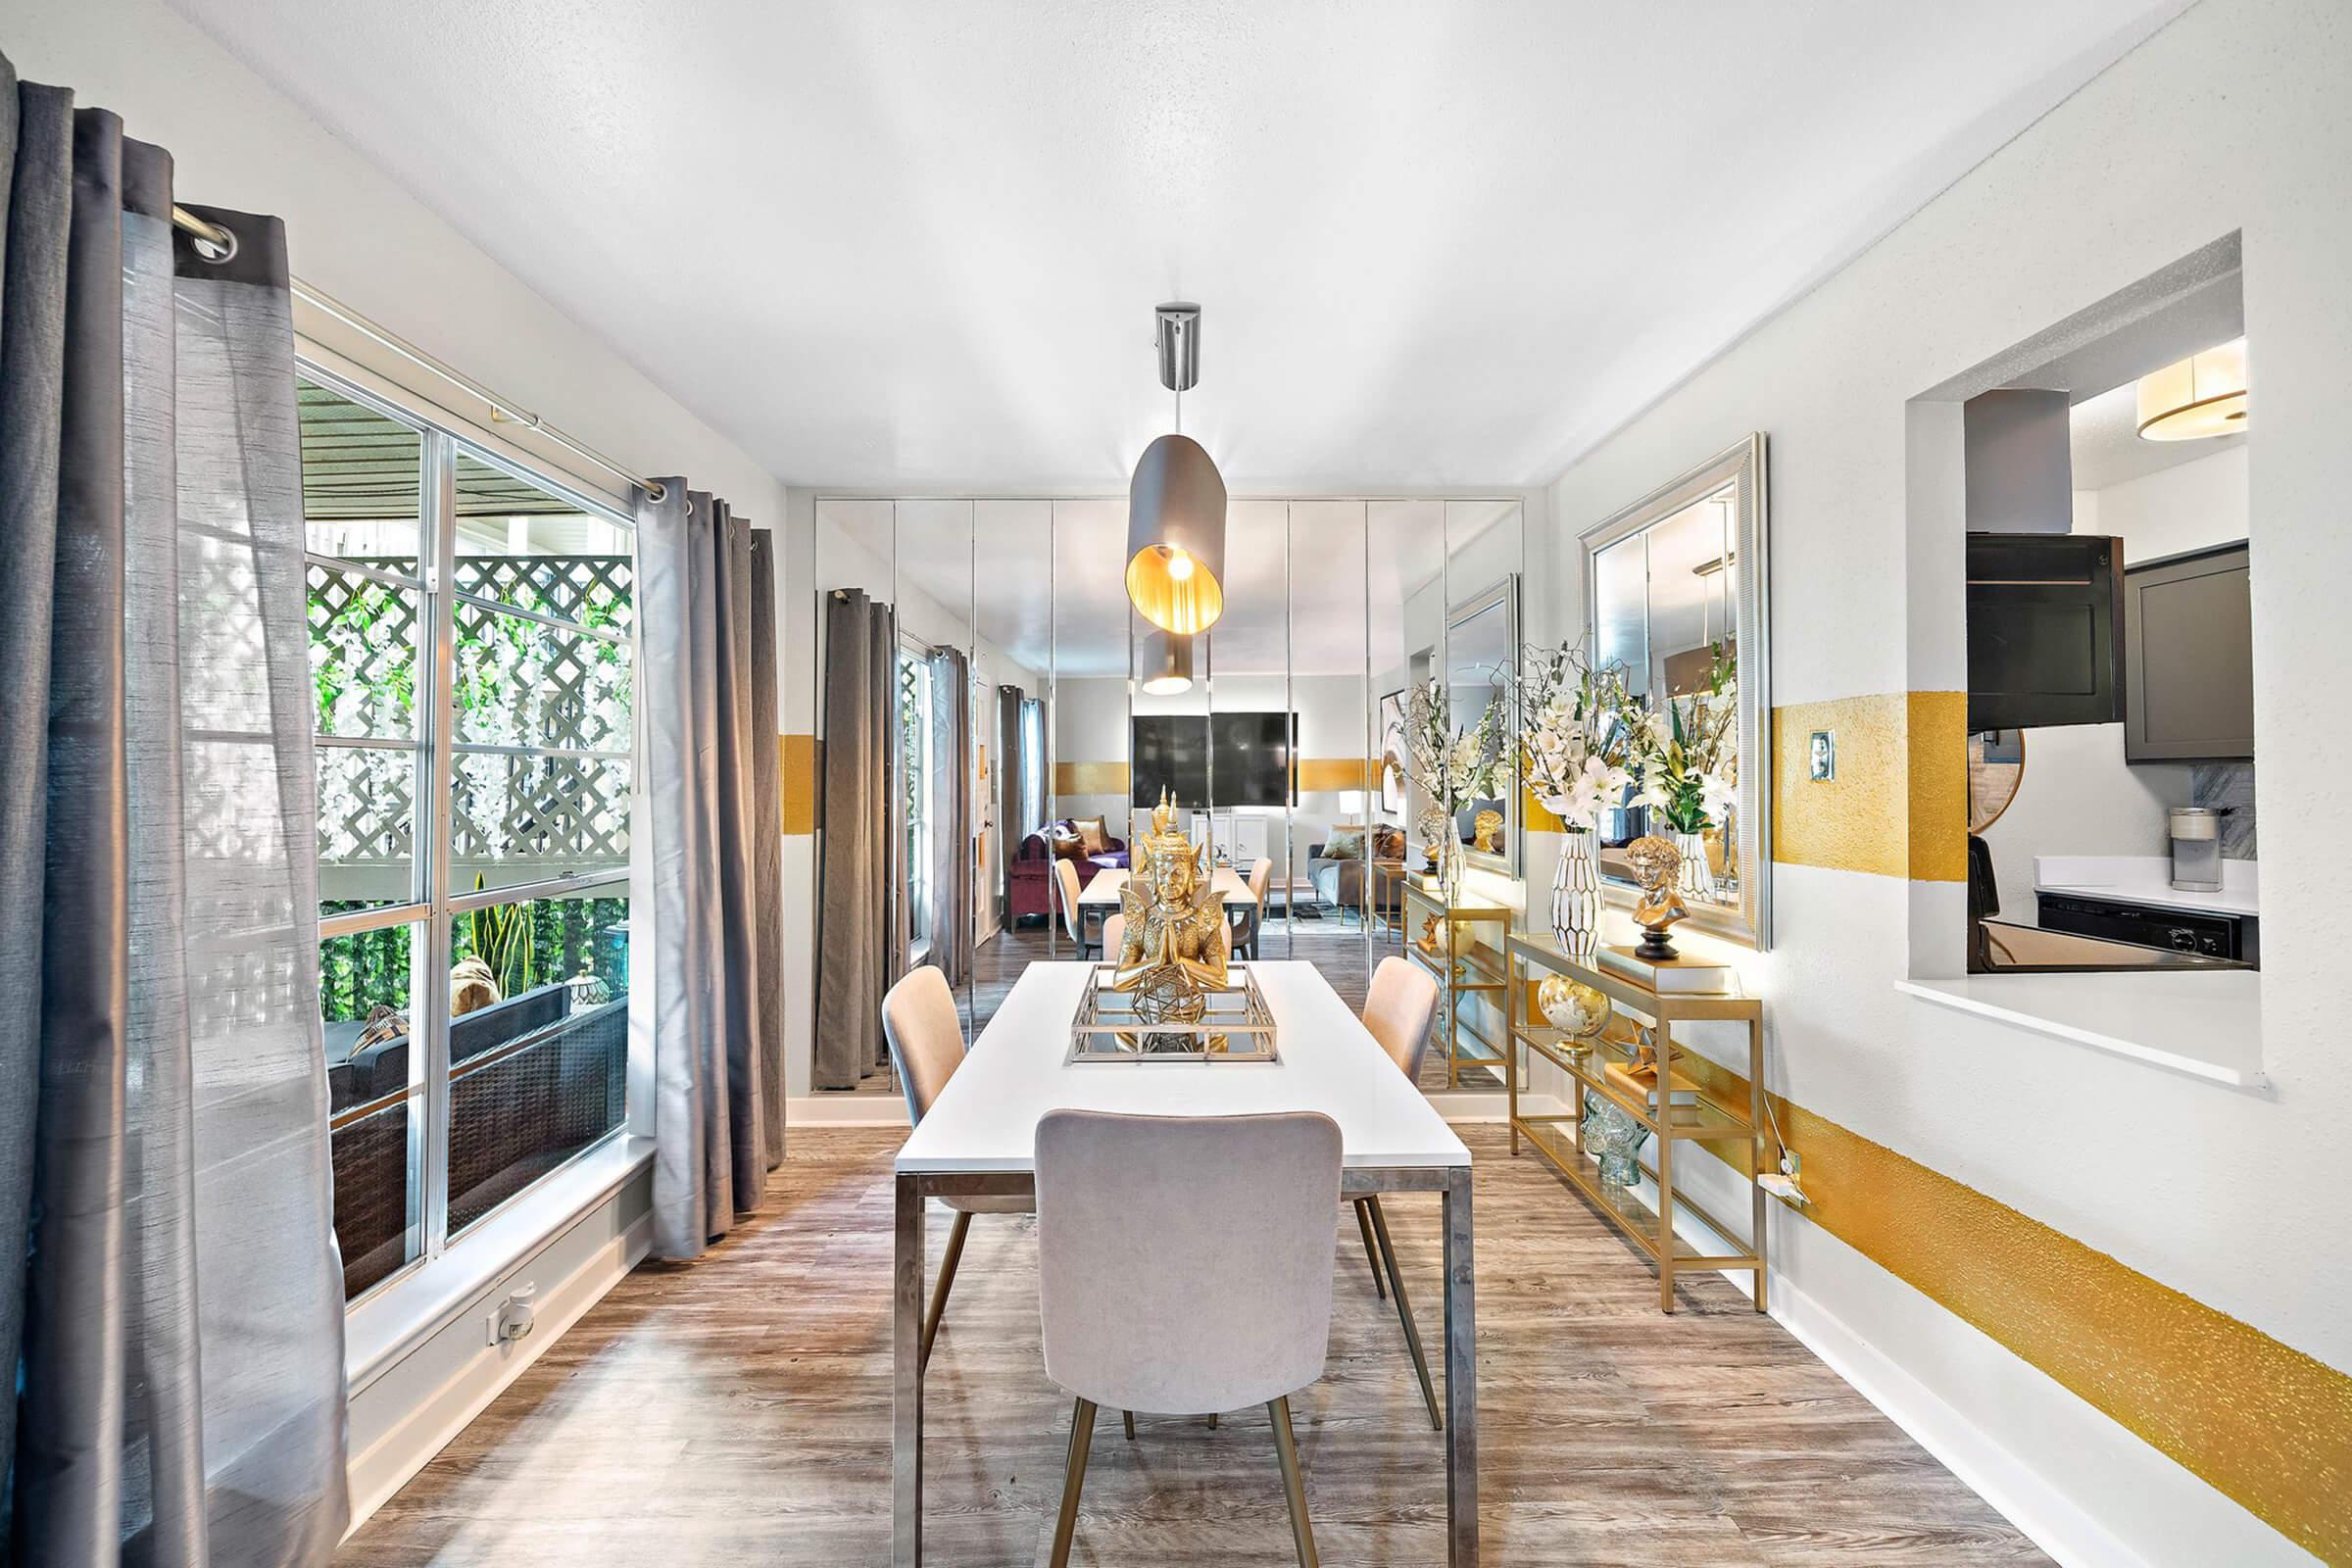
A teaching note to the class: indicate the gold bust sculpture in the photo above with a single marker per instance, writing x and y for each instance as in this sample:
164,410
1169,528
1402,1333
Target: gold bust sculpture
1172,950
1658,865
1485,831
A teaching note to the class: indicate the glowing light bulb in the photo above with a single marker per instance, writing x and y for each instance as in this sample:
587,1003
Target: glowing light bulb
1180,565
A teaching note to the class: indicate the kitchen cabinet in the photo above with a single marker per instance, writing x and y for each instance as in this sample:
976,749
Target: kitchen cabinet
2189,659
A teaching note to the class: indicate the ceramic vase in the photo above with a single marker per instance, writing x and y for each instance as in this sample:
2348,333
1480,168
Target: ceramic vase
1576,901
1698,879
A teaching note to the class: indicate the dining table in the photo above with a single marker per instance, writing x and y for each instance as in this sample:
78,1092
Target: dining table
980,1135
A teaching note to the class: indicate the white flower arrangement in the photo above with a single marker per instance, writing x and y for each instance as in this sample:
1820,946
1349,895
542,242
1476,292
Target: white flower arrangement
1578,732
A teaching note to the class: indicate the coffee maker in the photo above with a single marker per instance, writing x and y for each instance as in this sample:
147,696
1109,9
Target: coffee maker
2196,832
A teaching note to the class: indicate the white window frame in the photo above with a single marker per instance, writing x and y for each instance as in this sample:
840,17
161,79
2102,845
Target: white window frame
435,906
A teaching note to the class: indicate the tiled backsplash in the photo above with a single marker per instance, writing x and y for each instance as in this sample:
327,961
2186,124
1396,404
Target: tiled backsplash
2229,784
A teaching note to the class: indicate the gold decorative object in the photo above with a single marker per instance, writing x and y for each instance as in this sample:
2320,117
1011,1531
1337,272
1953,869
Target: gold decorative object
1174,950
1485,831
1658,865
1575,1009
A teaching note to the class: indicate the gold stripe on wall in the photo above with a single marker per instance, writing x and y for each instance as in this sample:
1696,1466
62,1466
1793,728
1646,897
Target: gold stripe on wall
1333,774
1090,778
1897,803
2264,1423
1938,742
1537,816
799,757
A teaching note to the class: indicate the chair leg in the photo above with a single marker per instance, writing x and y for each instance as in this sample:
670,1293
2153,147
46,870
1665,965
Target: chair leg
1364,1222
1081,1431
1293,1486
1129,1417
1405,1312
946,1281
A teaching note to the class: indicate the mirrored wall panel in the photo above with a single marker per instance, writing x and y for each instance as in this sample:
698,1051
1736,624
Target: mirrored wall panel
1016,725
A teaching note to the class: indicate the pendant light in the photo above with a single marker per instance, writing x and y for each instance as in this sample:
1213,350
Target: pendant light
2204,395
1176,504
1163,663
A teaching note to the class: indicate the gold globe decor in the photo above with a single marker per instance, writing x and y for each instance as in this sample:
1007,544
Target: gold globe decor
1575,1009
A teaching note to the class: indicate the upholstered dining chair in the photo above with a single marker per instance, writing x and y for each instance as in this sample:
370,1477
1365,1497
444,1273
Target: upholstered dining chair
1261,874
926,1046
1399,1008
1184,1265
1073,919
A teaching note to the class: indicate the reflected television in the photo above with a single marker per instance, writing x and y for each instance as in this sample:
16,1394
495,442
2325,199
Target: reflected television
1214,760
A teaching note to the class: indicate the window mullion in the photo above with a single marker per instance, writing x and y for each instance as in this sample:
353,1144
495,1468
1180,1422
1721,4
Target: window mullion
437,765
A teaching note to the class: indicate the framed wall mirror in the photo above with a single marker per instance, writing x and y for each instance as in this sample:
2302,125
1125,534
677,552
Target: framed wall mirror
1675,592
1482,638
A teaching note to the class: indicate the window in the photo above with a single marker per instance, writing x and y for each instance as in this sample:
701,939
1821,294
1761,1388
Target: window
914,753
473,664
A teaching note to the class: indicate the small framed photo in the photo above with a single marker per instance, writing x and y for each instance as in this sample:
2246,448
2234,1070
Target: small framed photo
1821,756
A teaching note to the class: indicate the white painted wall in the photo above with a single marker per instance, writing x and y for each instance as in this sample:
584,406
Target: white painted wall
2232,119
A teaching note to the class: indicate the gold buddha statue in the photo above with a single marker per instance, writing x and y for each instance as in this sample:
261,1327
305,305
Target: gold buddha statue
1173,950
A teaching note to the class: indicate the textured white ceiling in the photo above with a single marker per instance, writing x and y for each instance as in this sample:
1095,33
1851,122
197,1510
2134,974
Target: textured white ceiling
882,242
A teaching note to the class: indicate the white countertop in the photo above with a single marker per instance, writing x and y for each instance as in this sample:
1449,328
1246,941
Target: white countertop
1018,1069
2145,879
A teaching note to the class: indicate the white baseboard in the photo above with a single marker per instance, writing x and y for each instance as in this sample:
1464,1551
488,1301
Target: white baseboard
846,1108
2019,1491
445,1382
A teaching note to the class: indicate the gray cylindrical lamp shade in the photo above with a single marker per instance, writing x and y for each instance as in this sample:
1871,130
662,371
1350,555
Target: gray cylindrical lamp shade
1164,663
1176,537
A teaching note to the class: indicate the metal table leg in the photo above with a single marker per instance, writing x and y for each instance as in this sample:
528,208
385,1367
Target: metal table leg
1461,1376
906,1382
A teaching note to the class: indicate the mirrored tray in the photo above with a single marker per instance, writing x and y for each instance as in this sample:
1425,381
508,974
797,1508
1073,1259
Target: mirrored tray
1238,1026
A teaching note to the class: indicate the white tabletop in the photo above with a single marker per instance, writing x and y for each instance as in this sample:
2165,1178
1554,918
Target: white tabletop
985,1118
1105,888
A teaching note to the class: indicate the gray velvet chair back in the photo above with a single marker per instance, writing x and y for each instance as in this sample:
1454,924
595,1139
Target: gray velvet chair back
925,1035
1398,1005
1184,1262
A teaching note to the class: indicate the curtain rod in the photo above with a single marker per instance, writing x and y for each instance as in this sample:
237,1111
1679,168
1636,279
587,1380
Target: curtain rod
502,410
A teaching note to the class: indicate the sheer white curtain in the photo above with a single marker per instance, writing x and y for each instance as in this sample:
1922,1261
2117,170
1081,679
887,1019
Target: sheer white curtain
170,1304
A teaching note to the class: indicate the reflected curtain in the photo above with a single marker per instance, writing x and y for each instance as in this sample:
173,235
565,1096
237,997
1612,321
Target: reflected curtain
1011,793
708,740
171,1302
952,803
861,912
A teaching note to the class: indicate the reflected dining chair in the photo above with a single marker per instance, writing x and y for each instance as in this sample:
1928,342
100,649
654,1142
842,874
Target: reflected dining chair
1183,1266
1073,918
1261,874
1399,1008
926,1046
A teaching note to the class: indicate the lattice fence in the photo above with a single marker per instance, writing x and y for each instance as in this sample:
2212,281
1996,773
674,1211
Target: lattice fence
518,683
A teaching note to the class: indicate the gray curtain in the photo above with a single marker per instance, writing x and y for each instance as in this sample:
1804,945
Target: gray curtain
170,1304
705,724
767,841
861,912
952,803
1010,792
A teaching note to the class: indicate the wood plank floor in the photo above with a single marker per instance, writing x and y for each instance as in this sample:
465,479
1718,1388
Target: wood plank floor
737,1409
